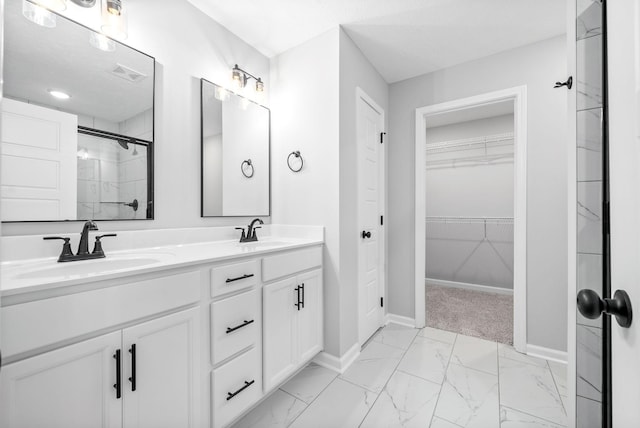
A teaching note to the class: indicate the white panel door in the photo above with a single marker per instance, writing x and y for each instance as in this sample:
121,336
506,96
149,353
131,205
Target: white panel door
624,142
369,128
161,372
310,338
72,387
39,163
279,331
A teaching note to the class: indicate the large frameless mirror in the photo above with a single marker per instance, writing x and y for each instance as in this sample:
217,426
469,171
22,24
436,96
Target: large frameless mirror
235,154
77,116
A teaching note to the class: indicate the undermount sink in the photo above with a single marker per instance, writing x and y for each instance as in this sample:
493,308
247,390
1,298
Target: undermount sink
88,267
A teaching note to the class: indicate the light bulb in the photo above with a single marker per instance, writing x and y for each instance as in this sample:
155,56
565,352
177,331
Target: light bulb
114,25
259,85
221,93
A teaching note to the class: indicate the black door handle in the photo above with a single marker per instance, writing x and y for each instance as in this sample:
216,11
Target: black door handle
366,234
592,306
117,385
132,379
299,304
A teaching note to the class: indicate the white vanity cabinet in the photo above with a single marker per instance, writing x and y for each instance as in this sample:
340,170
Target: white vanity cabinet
144,374
292,310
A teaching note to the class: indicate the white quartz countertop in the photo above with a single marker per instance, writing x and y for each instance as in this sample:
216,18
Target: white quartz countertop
26,276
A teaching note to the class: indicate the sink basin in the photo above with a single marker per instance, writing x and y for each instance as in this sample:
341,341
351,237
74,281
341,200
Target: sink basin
109,264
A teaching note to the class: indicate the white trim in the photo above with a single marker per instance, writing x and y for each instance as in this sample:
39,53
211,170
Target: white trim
336,364
361,95
400,320
468,286
519,97
547,353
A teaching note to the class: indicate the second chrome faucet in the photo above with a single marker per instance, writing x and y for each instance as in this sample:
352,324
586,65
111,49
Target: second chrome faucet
251,231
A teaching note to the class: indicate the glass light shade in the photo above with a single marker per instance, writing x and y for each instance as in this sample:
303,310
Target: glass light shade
259,85
38,14
102,42
114,25
221,93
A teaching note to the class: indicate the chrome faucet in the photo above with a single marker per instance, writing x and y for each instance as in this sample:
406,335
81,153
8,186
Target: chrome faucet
83,248
251,231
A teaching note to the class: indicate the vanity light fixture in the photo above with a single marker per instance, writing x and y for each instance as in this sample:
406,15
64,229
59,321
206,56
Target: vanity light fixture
59,94
114,19
102,42
40,13
240,78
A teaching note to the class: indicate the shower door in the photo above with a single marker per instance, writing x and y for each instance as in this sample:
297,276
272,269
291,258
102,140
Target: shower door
608,213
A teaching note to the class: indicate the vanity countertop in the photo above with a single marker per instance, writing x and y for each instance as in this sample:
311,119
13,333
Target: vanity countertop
26,276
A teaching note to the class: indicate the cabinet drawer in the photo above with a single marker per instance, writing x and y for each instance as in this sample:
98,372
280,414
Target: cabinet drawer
236,386
49,321
282,265
235,324
229,278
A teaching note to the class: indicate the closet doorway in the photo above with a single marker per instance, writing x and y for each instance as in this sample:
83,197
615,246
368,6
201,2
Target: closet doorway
471,175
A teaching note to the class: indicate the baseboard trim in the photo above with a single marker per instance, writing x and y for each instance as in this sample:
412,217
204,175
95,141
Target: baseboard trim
468,286
547,353
336,364
399,319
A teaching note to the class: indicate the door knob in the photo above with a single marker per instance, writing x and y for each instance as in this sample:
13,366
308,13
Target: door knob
366,234
591,306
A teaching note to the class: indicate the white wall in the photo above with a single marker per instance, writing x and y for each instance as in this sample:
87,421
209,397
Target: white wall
304,117
187,45
538,66
461,252
314,110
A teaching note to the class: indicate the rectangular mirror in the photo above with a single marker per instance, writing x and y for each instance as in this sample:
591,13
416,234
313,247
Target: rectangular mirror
235,154
77,116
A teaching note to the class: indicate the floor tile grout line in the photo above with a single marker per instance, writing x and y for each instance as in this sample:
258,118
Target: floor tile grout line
291,395
444,379
590,399
534,416
313,401
555,383
387,382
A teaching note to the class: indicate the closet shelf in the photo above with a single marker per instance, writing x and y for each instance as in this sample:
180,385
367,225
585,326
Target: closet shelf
486,149
469,220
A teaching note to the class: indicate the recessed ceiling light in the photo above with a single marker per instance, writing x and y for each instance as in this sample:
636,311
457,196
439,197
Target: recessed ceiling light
59,94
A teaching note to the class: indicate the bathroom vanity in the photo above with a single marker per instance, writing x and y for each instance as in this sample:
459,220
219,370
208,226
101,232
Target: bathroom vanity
171,335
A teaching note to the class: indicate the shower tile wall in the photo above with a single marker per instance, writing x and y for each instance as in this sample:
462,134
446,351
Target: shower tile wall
589,210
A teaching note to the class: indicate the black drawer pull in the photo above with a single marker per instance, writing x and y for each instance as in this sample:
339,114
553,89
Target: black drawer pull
117,385
302,287
132,379
238,278
246,323
299,304
230,395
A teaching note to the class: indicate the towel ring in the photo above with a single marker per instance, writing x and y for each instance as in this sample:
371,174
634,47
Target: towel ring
298,155
244,168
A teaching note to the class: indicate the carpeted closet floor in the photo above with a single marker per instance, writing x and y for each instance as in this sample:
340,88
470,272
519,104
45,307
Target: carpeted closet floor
472,313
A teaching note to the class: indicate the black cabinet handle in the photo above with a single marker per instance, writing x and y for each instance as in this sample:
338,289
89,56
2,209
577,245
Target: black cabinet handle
230,395
302,287
366,234
238,278
117,385
246,323
132,379
299,304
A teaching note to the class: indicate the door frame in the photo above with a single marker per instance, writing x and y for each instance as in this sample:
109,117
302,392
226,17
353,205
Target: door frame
518,95
362,96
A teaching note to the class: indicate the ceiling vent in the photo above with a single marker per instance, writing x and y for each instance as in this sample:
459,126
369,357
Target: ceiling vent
128,73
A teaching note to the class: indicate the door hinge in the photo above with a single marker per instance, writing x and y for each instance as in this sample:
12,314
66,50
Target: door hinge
382,134
381,220
382,302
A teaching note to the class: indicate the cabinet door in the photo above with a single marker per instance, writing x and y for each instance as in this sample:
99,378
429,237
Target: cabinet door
310,337
161,372
279,331
66,388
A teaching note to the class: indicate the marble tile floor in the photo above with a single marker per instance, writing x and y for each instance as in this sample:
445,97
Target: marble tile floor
407,377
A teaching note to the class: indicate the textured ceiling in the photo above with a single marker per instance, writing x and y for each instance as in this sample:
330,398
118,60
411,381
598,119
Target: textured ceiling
401,38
